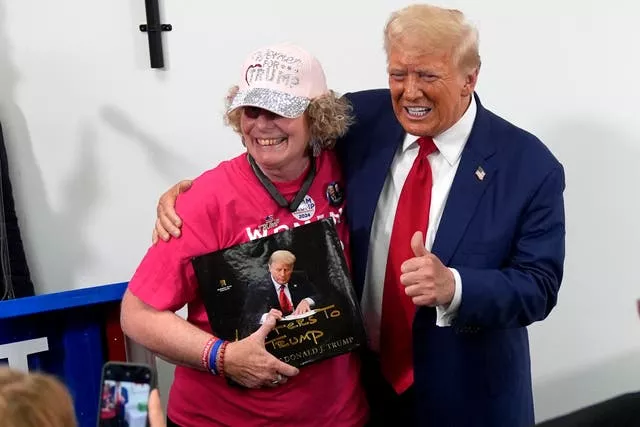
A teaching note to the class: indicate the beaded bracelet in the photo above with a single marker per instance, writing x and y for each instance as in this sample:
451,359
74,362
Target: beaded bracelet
204,357
221,358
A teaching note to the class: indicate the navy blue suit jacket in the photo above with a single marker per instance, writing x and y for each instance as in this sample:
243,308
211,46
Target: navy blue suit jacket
504,234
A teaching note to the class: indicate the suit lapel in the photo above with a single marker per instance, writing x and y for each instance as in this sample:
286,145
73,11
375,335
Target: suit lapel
473,176
379,162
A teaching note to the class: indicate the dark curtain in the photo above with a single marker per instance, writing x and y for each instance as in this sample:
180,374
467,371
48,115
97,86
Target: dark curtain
15,280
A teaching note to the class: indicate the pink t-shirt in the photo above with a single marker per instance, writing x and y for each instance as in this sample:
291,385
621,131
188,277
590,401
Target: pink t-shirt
224,207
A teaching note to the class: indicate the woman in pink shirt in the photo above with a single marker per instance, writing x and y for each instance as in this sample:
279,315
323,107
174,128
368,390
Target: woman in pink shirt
107,407
288,121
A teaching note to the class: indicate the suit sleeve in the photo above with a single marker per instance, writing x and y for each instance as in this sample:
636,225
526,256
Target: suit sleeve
314,295
526,289
308,290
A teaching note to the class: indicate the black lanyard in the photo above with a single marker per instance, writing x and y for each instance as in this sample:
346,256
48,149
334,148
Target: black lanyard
273,191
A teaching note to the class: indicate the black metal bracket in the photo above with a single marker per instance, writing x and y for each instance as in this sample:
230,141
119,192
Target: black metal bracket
164,27
154,30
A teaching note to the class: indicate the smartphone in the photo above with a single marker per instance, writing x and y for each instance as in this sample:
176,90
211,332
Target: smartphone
124,394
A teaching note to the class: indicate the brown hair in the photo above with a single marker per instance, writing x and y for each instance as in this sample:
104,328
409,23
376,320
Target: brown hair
34,400
422,27
329,117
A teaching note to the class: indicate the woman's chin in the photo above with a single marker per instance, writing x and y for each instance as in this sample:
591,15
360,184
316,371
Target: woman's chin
271,153
270,159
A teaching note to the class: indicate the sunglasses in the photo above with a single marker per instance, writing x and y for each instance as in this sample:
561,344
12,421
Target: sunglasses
255,112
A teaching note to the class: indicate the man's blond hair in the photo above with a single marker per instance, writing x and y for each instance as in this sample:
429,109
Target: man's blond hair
34,400
423,28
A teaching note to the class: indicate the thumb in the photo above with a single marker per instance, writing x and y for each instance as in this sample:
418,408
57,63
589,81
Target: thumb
417,245
156,416
265,328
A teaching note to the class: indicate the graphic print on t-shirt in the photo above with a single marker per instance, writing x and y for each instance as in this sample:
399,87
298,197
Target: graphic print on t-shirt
306,209
262,230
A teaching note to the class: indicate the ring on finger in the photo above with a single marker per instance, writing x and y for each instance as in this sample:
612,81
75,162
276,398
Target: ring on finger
277,380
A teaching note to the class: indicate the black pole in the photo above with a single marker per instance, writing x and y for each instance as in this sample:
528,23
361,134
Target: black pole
154,30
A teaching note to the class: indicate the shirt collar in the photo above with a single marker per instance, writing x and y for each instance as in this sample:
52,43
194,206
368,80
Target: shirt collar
450,142
286,285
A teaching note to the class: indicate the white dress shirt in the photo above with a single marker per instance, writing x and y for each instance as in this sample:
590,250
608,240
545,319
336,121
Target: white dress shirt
444,164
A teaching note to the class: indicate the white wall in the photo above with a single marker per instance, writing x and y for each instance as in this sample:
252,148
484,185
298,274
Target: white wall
94,136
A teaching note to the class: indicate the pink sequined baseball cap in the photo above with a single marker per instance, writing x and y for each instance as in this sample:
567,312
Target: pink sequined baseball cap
282,78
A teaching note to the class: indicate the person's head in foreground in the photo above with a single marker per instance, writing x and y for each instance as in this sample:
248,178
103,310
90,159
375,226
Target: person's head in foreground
34,400
433,64
38,399
284,111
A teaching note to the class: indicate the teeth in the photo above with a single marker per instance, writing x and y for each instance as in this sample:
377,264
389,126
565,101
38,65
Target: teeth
271,141
418,111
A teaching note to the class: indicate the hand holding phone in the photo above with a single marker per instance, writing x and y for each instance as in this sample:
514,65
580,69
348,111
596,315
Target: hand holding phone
156,414
124,394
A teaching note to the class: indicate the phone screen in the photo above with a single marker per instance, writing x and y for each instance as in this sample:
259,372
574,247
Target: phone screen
124,395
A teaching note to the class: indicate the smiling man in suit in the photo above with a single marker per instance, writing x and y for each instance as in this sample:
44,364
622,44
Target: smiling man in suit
457,230
281,289
457,233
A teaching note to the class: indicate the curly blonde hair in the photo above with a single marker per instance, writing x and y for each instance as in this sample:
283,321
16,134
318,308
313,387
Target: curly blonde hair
329,117
34,400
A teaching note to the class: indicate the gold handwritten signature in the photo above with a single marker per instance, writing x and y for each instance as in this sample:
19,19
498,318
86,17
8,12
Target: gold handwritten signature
283,340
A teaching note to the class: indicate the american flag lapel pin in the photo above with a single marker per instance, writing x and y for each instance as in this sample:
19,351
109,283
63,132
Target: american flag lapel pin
480,173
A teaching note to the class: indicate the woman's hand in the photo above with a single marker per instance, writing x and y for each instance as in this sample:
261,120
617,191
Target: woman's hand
248,363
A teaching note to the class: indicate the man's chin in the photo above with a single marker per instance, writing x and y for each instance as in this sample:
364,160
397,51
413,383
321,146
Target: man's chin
417,128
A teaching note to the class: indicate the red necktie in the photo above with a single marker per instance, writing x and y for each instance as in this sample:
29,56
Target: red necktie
412,214
285,304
